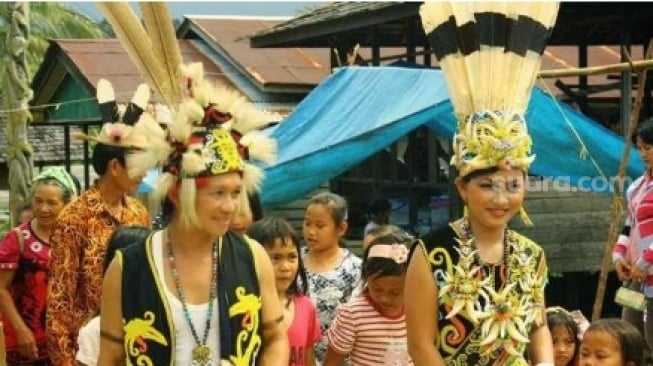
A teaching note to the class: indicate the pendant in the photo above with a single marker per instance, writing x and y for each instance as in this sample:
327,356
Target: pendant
202,355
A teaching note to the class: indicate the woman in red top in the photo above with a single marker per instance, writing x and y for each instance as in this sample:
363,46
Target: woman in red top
24,263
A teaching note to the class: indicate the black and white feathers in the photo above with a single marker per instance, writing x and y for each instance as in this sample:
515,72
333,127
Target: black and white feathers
490,52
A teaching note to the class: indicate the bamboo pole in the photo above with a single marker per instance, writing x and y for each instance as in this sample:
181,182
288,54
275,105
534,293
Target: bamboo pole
617,202
3,350
604,69
555,73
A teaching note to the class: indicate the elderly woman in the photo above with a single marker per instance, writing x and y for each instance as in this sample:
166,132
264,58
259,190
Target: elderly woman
24,263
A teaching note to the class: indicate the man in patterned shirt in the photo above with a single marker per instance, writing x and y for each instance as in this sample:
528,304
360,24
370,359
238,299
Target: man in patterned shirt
79,238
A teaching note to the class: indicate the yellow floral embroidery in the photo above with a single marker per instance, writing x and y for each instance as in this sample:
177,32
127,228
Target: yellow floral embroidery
249,306
136,332
224,153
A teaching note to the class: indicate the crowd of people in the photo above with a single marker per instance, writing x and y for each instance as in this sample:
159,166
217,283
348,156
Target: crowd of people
335,307
86,280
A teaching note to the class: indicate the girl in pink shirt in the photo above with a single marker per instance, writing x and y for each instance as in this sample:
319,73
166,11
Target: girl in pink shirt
280,241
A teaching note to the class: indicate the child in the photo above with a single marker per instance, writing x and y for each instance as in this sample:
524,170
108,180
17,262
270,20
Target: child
369,238
379,214
612,342
88,338
565,336
280,241
332,271
242,221
371,328
379,231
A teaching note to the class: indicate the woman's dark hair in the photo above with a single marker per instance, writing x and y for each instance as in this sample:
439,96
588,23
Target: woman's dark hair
270,228
480,173
255,206
382,267
632,343
167,211
379,205
103,154
123,237
558,317
644,131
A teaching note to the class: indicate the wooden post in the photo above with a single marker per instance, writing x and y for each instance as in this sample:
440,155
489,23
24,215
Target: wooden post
3,350
16,96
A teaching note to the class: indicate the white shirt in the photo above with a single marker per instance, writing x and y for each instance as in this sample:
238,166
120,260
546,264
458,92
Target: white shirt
88,340
184,341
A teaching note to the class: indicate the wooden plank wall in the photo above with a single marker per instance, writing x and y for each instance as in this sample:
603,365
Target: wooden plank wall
294,211
571,227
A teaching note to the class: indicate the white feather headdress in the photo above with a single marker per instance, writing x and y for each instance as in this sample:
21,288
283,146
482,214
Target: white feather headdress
490,54
211,129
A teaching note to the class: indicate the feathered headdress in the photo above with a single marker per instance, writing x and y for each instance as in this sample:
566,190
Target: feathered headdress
490,55
212,129
123,126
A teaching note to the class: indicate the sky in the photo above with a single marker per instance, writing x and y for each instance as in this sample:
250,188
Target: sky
179,9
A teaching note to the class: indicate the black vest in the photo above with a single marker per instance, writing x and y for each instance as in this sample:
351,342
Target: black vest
146,312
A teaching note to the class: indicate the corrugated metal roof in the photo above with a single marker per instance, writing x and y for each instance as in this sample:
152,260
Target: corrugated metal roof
106,58
296,66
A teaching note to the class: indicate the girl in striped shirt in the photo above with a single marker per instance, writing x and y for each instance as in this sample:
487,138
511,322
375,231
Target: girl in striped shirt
371,328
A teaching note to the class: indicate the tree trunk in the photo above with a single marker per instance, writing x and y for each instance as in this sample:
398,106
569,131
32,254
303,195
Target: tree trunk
17,94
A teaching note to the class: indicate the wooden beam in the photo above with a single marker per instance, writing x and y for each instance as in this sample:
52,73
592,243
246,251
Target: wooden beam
376,49
597,70
568,92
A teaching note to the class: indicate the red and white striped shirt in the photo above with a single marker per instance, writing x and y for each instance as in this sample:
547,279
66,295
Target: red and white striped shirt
369,337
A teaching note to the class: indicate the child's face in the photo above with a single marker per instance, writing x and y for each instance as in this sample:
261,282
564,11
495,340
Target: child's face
241,222
285,261
319,229
600,348
387,293
564,345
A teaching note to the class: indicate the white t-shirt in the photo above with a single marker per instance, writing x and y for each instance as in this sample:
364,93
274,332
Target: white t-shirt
184,341
88,340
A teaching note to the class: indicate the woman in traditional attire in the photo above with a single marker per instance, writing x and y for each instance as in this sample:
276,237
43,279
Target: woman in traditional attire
475,288
196,293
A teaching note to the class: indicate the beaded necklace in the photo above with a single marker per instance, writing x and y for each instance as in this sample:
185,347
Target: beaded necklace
489,269
202,353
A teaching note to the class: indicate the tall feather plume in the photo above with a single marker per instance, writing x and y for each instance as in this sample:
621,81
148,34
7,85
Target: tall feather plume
138,45
490,52
165,46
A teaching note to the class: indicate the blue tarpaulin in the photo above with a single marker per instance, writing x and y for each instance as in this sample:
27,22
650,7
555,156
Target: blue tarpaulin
358,111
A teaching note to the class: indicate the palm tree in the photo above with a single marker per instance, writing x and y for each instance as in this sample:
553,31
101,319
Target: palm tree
49,20
25,28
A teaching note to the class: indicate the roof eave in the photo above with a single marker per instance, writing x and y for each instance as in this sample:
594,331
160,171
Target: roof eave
321,31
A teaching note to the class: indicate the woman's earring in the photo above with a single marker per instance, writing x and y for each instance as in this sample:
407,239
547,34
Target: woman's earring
465,209
524,216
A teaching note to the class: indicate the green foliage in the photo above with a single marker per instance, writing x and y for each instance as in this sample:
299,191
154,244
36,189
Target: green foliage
48,20
4,227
